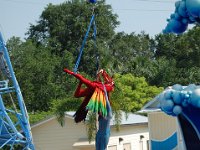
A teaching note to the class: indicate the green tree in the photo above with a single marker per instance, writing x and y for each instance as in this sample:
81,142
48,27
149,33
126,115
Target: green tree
126,51
162,72
165,45
176,58
35,71
63,27
131,93
183,48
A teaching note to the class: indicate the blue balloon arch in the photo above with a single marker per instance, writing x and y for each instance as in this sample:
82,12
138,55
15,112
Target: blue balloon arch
186,12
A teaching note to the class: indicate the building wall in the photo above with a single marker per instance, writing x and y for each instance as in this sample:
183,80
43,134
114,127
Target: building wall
134,137
161,125
51,136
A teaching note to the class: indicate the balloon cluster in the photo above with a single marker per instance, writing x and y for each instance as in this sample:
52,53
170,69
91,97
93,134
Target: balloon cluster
186,12
176,98
92,1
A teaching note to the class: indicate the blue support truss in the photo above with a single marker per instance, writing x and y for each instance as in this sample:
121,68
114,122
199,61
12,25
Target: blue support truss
14,122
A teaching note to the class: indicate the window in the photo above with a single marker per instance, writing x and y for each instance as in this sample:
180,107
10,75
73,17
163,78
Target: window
113,147
127,146
147,144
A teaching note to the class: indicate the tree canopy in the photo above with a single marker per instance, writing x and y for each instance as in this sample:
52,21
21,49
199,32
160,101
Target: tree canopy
63,27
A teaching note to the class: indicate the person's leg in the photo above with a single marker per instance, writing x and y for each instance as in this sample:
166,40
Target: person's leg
106,140
97,142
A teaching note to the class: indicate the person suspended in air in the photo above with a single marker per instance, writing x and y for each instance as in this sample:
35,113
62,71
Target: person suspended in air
94,95
96,99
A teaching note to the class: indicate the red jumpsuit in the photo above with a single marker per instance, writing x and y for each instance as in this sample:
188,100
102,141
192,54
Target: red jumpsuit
87,93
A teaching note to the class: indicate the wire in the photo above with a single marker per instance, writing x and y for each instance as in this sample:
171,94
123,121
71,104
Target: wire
156,1
143,10
39,3
25,2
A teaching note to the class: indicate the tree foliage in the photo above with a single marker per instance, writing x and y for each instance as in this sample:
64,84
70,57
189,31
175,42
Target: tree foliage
129,51
63,27
35,71
131,93
181,53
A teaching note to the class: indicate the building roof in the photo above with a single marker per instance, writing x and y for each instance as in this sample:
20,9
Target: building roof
130,118
152,106
127,119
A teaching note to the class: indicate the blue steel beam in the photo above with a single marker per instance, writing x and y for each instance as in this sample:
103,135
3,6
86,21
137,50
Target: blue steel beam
25,125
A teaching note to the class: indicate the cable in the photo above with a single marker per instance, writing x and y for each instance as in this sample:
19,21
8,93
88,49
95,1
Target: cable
157,1
39,3
143,10
25,2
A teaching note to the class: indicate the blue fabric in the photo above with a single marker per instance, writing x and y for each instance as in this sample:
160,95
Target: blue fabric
104,125
103,134
102,140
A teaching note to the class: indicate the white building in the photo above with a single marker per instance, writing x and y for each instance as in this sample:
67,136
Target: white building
49,135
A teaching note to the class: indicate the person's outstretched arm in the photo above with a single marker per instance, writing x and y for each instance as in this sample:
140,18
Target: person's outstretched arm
87,82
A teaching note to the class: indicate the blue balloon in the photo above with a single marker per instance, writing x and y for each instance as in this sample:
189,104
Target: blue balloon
185,21
187,96
184,103
168,29
177,110
168,105
92,1
177,16
193,7
177,26
190,87
182,9
186,12
191,19
177,97
177,4
183,93
195,98
177,87
172,16
161,96
168,94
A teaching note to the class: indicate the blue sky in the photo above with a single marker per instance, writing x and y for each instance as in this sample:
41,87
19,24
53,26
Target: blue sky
135,15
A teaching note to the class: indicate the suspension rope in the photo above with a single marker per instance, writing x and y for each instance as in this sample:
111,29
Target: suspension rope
83,44
95,45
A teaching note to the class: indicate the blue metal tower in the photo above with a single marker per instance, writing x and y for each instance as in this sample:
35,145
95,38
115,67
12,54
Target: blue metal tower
14,122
